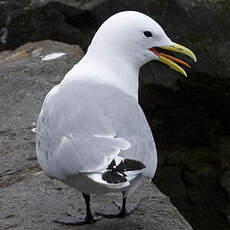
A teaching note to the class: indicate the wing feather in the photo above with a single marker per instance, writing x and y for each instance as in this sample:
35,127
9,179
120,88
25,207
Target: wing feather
83,126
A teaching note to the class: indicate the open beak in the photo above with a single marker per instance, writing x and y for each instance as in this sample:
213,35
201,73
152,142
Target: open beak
170,60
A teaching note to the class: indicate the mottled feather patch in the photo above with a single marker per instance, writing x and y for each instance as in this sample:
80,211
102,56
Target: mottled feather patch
116,173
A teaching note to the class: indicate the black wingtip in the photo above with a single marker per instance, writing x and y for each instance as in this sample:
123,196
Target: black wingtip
112,177
116,173
111,165
131,165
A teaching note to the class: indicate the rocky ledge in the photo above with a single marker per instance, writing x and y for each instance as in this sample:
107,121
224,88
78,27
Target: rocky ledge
29,199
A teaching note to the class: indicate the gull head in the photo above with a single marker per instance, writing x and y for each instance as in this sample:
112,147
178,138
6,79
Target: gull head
136,39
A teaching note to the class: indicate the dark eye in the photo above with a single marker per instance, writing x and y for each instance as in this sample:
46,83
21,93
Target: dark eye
148,34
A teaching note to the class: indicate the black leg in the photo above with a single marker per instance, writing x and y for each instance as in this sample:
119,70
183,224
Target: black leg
122,210
68,219
89,215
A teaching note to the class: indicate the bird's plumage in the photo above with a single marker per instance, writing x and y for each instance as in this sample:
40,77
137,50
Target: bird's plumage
84,125
93,118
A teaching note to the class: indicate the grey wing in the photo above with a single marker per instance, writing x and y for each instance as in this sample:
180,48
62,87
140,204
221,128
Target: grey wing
131,124
74,135
81,128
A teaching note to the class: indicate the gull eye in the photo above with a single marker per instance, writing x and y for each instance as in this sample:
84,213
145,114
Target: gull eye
148,34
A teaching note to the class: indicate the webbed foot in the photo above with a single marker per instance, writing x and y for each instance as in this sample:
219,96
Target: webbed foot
120,211
68,219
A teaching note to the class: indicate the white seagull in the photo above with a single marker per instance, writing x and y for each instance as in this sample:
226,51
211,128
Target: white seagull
91,132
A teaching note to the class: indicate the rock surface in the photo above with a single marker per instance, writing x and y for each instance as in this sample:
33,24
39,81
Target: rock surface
223,146
34,201
29,199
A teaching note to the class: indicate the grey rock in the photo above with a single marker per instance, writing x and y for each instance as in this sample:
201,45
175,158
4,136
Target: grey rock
34,201
28,198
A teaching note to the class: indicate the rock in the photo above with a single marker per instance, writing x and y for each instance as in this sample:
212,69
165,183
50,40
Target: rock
196,184
30,21
24,82
223,145
38,77
78,4
35,201
226,184
29,199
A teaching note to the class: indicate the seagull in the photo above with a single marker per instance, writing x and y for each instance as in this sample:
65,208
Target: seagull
91,132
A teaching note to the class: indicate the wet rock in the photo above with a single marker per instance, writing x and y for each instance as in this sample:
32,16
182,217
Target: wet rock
197,114
28,198
30,21
193,179
226,184
223,146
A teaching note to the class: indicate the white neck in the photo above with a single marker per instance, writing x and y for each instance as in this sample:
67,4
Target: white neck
107,68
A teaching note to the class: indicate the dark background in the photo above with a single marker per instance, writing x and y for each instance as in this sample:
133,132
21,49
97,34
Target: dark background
189,117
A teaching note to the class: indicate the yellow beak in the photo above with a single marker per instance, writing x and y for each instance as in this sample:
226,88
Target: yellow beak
170,61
